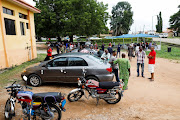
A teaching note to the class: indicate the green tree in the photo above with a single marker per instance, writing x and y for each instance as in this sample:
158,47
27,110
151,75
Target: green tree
121,19
175,21
70,17
159,23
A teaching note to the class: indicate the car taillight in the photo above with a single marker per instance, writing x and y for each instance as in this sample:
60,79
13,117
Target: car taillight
109,69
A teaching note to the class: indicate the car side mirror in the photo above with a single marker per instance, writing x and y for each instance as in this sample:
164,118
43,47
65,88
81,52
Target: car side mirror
46,66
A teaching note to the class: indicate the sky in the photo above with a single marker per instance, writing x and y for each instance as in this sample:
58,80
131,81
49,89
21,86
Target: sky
144,11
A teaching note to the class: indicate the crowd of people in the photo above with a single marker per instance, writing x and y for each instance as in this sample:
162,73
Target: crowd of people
120,65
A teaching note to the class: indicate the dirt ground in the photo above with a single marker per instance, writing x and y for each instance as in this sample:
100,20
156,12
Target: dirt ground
144,100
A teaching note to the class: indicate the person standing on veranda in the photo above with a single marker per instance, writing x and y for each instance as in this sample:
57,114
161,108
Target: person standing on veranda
124,69
141,54
152,57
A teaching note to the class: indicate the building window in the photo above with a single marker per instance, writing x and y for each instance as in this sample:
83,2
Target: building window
27,25
10,26
22,16
22,28
7,11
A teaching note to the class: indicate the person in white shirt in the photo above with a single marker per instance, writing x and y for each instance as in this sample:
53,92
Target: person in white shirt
141,54
105,56
71,46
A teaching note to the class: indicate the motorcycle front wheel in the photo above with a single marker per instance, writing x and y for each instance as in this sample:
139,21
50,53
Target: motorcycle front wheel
75,96
114,101
8,112
56,112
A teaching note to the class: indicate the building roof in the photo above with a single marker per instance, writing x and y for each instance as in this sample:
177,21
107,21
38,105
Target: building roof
23,4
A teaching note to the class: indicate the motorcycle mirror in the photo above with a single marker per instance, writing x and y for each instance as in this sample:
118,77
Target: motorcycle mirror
14,82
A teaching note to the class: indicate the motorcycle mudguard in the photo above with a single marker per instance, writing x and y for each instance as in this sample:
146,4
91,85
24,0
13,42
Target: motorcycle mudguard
75,90
12,105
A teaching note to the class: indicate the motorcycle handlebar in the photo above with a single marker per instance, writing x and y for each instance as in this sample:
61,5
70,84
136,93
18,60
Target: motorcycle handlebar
18,87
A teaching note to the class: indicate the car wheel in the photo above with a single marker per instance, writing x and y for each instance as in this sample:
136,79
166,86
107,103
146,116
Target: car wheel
34,80
92,78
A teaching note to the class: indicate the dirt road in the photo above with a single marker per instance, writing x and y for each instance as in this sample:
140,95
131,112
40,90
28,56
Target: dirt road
145,100
168,40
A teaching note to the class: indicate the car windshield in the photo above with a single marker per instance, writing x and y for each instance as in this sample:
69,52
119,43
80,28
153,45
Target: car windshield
96,59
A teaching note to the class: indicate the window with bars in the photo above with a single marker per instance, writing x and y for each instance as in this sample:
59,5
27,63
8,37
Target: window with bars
22,28
8,11
22,16
27,25
10,26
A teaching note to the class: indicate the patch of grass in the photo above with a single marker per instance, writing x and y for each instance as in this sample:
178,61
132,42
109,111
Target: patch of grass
49,40
174,37
5,76
163,53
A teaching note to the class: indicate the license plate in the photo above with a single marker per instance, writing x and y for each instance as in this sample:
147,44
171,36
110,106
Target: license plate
63,102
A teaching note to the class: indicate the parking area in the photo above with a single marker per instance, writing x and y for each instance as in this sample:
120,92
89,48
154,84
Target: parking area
143,100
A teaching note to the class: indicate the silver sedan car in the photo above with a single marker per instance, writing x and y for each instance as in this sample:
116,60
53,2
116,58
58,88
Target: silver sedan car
66,68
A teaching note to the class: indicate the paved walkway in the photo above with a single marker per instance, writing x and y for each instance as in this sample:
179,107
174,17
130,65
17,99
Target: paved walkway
168,40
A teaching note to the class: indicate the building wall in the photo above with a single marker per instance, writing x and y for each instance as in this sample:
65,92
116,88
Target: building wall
18,46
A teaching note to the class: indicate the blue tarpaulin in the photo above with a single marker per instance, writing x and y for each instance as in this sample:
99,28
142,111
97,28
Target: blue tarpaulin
125,36
144,35
134,36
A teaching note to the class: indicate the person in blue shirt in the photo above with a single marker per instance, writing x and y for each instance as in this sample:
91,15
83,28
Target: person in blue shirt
118,50
67,45
110,50
102,47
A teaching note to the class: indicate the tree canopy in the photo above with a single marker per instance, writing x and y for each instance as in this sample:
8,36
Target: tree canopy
121,19
159,23
70,17
175,21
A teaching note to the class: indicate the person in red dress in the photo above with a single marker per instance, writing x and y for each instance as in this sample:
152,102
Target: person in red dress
49,53
152,57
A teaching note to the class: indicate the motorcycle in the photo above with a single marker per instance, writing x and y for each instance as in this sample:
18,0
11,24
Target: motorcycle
111,92
47,106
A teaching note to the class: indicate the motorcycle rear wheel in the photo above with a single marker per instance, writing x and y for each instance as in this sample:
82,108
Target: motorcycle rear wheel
118,98
53,108
75,96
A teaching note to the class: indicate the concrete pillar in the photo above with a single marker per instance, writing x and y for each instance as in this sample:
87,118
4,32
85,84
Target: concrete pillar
29,19
3,34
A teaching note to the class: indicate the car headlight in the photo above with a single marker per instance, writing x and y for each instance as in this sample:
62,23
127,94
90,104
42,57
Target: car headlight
25,78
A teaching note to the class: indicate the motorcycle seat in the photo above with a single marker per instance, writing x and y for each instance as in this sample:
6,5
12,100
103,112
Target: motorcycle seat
47,97
108,85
